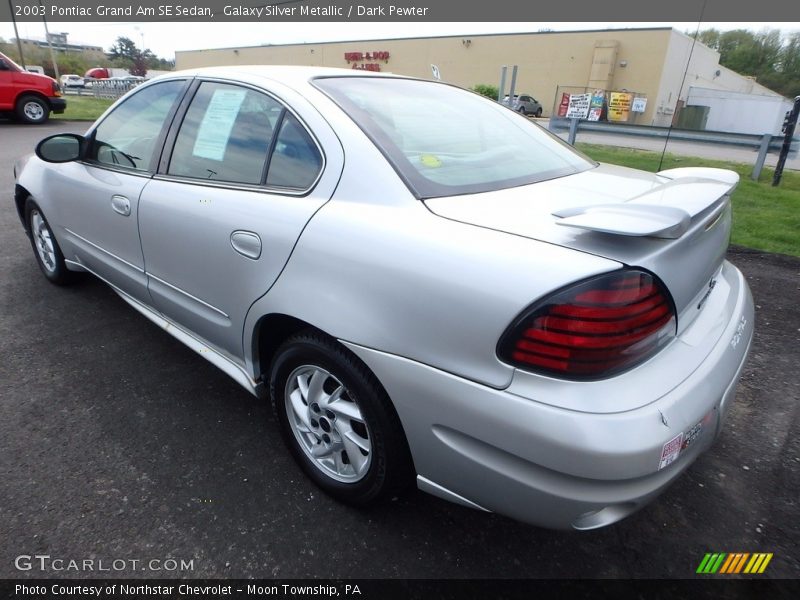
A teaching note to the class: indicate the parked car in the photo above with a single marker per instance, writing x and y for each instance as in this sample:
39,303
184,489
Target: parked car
427,286
72,81
525,104
30,97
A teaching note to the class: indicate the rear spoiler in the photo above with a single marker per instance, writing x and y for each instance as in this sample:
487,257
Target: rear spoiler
663,212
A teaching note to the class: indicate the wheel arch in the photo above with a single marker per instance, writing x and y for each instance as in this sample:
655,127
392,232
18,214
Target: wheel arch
270,331
21,196
273,329
36,93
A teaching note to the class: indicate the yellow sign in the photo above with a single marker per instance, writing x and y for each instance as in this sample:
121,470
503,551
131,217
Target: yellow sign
619,106
430,161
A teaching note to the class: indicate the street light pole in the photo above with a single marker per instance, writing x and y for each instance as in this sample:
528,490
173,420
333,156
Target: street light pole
49,43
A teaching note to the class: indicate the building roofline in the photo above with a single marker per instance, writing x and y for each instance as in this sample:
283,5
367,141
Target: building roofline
433,37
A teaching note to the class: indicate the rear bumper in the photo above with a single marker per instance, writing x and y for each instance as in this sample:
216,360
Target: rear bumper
558,467
57,105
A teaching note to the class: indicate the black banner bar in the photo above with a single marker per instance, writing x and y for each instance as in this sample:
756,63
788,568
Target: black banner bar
275,11
381,589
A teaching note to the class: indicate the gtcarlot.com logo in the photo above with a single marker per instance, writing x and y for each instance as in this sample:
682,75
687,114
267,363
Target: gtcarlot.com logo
731,563
47,563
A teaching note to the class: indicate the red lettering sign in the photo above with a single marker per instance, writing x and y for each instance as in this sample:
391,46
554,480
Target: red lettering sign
359,56
367,66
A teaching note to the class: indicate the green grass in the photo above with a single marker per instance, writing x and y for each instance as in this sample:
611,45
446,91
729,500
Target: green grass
764,217
84,108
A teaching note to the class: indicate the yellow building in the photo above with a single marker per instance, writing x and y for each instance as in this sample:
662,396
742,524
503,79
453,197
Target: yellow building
650,62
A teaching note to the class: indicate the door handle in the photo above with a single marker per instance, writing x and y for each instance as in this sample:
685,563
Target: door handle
246,243
121,205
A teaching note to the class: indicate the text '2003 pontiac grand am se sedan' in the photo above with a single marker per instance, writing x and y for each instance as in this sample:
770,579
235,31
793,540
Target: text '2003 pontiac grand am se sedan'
429,287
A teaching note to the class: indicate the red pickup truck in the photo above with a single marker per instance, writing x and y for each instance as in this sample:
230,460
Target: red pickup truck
29,96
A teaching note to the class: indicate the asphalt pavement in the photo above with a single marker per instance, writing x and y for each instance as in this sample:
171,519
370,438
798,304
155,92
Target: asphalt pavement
118,443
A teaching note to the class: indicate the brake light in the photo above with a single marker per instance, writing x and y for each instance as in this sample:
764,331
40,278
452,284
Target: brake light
593,329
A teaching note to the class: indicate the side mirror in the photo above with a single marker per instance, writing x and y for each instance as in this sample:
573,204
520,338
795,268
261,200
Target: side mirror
61,148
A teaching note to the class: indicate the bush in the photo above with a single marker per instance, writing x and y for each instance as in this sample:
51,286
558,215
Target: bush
490,91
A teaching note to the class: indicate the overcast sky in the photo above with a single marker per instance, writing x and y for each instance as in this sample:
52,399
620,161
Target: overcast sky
163,39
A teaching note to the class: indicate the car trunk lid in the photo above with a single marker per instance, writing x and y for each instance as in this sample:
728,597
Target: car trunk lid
675,224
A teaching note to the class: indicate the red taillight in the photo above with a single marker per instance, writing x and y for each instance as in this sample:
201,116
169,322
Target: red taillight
593,329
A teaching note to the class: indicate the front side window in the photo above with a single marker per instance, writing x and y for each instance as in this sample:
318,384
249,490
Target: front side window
226,135
444,141
128,136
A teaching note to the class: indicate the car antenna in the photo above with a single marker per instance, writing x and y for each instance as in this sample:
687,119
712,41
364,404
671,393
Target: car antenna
680,89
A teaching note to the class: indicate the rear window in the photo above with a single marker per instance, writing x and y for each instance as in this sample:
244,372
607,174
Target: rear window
445,141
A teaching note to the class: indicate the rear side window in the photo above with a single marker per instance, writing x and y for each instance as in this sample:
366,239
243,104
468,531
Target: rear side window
226,135
296,161
128,136
444,141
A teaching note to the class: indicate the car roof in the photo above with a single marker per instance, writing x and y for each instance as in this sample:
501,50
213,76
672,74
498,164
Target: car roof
293,76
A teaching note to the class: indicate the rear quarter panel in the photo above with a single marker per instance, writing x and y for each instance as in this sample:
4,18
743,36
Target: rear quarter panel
376,268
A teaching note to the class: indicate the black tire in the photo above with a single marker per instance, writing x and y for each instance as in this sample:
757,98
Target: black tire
390,468
539,112
56,272
521,110
33,110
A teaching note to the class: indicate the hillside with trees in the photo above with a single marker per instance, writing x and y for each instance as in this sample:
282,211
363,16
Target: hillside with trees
772,58
124,54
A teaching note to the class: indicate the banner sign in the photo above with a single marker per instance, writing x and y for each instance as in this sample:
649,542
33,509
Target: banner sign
563,105
578,106
619,106
596,105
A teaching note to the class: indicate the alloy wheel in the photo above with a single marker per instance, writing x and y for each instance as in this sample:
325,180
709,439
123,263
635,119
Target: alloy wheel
328,424
44,241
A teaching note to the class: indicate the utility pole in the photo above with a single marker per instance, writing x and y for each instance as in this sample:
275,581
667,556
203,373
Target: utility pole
49,43
16,33
789,124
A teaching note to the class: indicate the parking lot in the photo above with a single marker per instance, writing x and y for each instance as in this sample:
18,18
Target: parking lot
117,442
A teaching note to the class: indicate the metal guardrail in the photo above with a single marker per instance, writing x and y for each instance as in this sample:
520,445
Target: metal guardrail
715,137
763,143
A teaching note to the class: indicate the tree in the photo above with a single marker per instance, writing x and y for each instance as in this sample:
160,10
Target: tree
774,60
125,54
490,91
124,48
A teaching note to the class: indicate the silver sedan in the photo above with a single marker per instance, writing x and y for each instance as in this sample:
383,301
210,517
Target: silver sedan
429,287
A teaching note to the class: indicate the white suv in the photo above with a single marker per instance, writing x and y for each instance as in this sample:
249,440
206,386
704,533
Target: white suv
71,81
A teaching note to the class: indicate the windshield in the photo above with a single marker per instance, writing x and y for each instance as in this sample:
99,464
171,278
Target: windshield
12,66
445,141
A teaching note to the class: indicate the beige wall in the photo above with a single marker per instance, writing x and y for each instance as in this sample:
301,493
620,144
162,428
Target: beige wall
704,72
546,60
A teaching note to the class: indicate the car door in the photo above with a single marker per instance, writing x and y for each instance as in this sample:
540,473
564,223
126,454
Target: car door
221,218
6,87
99,197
